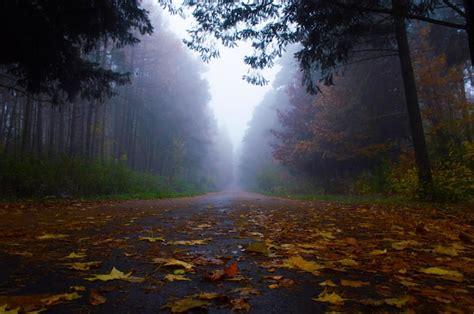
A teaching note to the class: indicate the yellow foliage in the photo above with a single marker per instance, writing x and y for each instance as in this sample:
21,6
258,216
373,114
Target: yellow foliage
151,239
50,236
398,302
404,244
115,274
445,273
173,262
301,263
332,298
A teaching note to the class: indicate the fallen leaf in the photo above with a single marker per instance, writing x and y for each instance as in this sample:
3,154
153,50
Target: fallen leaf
215,275
232,270
301,263
273,286
75,255
50,236
184,305
274,277
444,273
210,296
173,262
78,288
332,298
116,274
348,262
152,239
404,244
327,283
258,247
378,252
398,302
56,298
171,277
354,284
4,309
447,250
286,282
95,298
189,242
240,305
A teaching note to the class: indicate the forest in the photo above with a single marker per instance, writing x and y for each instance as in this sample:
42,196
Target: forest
336,175
149,130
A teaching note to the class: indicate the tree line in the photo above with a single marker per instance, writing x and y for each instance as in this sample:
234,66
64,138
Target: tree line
333,35
151,113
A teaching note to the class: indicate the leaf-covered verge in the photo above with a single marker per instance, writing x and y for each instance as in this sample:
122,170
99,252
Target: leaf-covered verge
66,177
239,252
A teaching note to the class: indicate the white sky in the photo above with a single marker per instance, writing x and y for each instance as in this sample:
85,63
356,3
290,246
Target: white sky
233,99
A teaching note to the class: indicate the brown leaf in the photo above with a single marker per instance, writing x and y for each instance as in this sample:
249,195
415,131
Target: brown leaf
95,298
232,270
215,275
240,305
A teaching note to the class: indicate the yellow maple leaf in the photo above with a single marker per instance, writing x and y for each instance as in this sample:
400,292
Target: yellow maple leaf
115,274
173,262
299,262
171,277
332,298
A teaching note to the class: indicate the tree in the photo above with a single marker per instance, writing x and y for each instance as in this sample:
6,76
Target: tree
332,34
47,44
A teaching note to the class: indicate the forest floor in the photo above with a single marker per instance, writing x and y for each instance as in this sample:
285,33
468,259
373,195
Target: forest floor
234,251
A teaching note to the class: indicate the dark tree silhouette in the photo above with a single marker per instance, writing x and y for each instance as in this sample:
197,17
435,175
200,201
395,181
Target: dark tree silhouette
49,42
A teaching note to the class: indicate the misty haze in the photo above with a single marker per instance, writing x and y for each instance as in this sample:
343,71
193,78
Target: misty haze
237,156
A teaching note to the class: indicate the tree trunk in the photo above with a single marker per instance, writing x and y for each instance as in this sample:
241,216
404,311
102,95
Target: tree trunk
425,177
72,135
8,138
52,121
25,137
39,129
90,111
61,135
469,10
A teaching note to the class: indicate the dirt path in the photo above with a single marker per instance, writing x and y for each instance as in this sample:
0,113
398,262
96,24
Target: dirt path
291,256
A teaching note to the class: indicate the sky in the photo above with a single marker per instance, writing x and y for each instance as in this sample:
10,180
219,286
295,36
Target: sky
233,99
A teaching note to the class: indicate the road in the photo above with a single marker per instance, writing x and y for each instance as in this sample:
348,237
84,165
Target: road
292,256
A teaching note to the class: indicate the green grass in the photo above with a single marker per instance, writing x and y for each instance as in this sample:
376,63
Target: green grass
63,177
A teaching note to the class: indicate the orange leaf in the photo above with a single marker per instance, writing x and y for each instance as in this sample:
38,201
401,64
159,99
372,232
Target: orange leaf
232,270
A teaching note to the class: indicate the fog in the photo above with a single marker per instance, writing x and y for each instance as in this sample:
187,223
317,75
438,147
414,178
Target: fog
233,100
